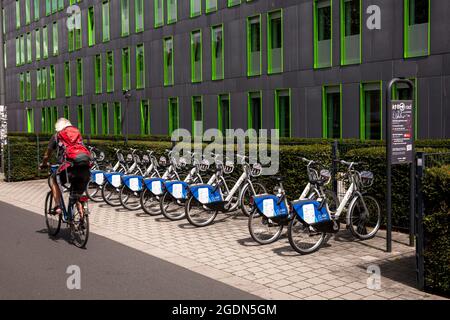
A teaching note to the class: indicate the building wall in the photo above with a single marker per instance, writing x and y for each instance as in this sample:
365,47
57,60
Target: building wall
382,59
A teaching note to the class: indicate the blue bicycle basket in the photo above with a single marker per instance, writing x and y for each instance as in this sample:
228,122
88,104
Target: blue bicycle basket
206,194
270,206
178,189
310,211
155,185
98,177
114,178
134,183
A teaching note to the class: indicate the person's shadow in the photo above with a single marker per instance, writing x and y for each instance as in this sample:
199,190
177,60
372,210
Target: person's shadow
63,234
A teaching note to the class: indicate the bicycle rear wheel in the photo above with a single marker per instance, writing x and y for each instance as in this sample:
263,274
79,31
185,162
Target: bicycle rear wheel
262,229
303,238
80,229
110,195
199,215
129,199
52,221
170,207
94,191
150,203
364,224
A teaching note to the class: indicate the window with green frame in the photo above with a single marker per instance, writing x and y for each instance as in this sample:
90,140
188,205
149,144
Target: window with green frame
168,61
197,115
283,112
78,37
29,57
322,33
416,28
44,42
105,118
217,56
196,56
117,118
79,77
22,49
37,34
48,7
54,6
30,120
125,17
17,51
139,15
145,117
38,84
80,118
332,112
105,21
52,82
401,91
211,6
254,53
109,71
44,85
27,11
17,14
172,11
98,73
36,10
159,13
60,4
370,111
45,120
55,38
53,117
126,77
350,31
66,112
93,119
67,82
275,41
91,26
223,113
28,86
232,3
254,112
71,40
140,66
174,120
196,8
21,87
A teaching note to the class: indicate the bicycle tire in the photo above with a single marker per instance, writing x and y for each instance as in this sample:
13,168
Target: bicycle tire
246,192
296,223
85,231
253,218
51,229
95,196
146,197
360,231
107,197
190,216
124,196
165,201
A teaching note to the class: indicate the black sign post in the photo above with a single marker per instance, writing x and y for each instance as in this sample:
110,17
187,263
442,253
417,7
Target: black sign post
399,150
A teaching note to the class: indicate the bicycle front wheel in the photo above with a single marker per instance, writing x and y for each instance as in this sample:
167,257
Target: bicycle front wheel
80,229
364,220
199,215
262,229
247,193
53,221
303,238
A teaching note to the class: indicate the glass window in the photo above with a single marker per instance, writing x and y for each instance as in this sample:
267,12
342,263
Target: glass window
370,111
254,111
254,46
322,33
98,73
105,119
173,115
196,8
27,11
401,91
125,13
350,31
159,13
22,49
48,7
126,80
223,113
139,11
211,5
93,119
105,20
172,11
38,84
196,56
53,117
28,86
145,117
55,38
37,35
275,42
67,82
109,71
44,42
232,3
197,115
331,108
117,118
217,49
60,4
29,58
140,66
71,40
36,10
44,86
21,87
417,28
66,112
78,40
283,112
30,120
91,26
80,119
79,77
17,51
168,61
17,14
52,82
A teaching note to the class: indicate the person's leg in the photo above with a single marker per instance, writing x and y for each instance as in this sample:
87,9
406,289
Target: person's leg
56,192
80,176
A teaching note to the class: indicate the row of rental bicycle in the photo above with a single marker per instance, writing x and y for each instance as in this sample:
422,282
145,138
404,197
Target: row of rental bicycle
198,187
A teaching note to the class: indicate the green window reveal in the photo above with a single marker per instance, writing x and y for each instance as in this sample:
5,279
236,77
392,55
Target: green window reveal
174,122
211,6
71,40
254,54
93,119
44,120
322,33
139,13
48,7
28,85
168,61
55,38
370,111
17,51
60,4
38,84
53,117
105,119
140,66
36,10
22,49
232,3
37,35
52,82
145,117
80,119
275,41
44,42
98,73
54,6
350,31
79,77
29,58
27,11
283,112
67,82
17,14
217,56
117,118
30,120
172,11
21,87
44,83
159,13
91,27
223,113
105,21
254,111
196,56
109,71
126,79
66,111
416,28
331,112
125,14
197,115
78,37
196,8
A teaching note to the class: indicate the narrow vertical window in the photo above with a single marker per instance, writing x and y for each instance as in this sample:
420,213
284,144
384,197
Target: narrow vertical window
254,111
21,87
401,91
370,111
38,84
28,86
37,35
417,28
53,117
211,6
331,112
140,66
80,119
60,4
105,119
17,51
79,77
283,112
71,40
275,42
30,120
29,58
98,73
117,118
91,27
44,84
105,21
45,42
93,119
126,80
223,113
322,33
145,117
196,56
159,13
350,31
254,46
197,115
78,37
27,11
172,11
17,14
54,6
22,49
109,71
67,82
217,53
168,61
36,10
52,82
196,8
139,13
66,112
173,115
125,14
55,38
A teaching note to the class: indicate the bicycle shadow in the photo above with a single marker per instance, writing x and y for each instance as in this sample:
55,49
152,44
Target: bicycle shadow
63,234
224,218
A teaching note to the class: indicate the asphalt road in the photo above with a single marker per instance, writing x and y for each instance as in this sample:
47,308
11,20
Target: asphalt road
33,266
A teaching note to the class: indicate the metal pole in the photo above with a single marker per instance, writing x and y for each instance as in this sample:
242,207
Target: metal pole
419,222
2,88
334,155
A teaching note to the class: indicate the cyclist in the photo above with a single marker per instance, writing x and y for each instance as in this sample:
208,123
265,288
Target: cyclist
74,162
